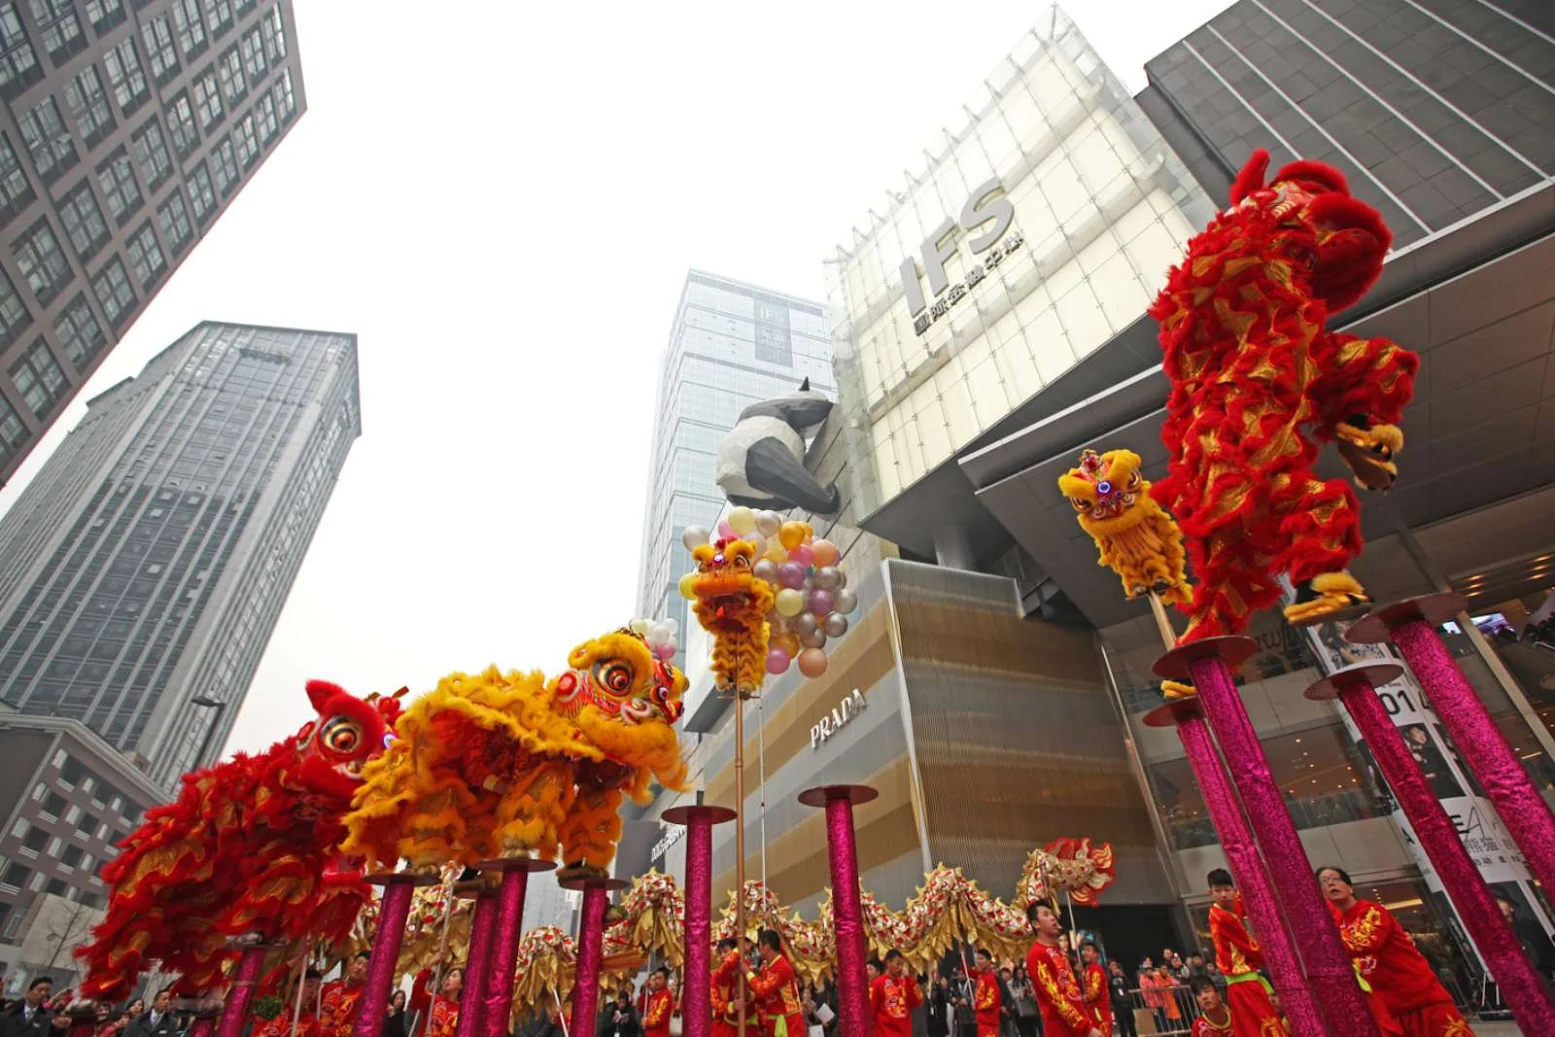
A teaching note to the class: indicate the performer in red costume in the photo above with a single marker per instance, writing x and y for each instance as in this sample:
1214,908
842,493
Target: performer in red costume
307,1022
1389,961
440,1010
1064,1011
893,996
658,1005
1094,983
988,999
775,991
1238,957
1215,1018
337,1013
724,992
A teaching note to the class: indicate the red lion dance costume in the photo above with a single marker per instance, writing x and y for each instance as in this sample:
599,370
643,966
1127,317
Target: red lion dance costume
1258,384
249,846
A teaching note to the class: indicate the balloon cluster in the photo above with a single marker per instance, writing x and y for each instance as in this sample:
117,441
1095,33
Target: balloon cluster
660,635
812,599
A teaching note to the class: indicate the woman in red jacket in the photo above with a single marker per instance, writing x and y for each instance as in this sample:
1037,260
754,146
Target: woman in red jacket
1387,959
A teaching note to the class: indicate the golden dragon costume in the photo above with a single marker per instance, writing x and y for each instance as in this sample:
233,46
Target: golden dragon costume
496,764
1258,384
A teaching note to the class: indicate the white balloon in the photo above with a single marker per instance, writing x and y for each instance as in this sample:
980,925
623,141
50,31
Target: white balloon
672,625
768,523
694,537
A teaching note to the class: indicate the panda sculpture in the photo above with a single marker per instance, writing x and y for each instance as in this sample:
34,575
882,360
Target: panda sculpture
760,463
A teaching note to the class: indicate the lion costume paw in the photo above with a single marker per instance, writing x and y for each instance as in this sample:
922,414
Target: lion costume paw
1326,597
1370,450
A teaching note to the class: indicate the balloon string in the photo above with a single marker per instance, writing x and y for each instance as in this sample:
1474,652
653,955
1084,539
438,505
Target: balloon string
761,778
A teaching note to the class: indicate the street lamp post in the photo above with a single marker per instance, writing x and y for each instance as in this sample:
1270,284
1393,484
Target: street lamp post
217,708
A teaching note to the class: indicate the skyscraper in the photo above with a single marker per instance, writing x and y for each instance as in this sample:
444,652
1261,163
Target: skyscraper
732,344
125,129
142,571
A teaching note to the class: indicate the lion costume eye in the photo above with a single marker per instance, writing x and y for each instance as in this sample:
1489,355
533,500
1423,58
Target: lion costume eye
305,737
614,677
341,735
741,562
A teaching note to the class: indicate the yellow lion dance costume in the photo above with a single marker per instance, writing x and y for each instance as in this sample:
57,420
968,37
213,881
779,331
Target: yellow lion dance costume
732,603
500,764
1137,538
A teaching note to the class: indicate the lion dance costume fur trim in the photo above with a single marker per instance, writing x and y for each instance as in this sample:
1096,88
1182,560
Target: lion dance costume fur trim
1136,538
732,604
1258,383
499,764
249,846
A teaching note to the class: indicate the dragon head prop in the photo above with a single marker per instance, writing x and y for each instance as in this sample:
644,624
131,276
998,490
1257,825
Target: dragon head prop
1338,237
625,699
348,732
1076,866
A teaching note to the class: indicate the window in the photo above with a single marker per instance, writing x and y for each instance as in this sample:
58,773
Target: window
79,332
125,76
12,432
116,179
15,191
57,25
146,256
53,806
56,887
274,34
48,140
104,14
113,291
18,64
224,167
230,70
254,65
173,215
218,15
35,842
72,857
83,220
180,122
151,155
88,103
206,99
15,876
267,123
156,34
190,30
248,141
13,312
285,100
202,196
42,261
87,824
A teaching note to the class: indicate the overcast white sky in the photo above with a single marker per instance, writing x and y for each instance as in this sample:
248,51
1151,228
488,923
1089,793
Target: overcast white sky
502,200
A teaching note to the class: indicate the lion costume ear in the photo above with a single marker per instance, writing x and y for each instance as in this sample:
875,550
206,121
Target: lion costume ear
321,693
1250,179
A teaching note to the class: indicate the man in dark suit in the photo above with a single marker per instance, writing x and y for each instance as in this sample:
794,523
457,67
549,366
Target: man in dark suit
30,1017
159,1021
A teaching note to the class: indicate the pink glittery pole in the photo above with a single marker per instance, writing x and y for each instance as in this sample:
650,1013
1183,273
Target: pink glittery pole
502,959
1484,749
392,913
1328,967
1521,986
477,965
235,1011
203,1026
848,913
585,991
696,1002
1263,908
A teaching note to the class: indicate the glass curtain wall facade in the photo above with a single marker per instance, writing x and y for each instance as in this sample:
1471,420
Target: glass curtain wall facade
940,333
126,128
143,570
732,345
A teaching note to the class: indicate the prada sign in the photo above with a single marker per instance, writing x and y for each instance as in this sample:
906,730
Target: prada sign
987,214
838,718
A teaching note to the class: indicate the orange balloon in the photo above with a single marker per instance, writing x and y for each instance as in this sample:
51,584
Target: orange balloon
824,552
789,643
792,534
812,662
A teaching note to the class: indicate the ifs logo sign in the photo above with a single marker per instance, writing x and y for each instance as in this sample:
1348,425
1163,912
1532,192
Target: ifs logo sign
987,214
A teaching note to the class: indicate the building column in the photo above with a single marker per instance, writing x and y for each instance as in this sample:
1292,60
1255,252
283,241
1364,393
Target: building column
953,548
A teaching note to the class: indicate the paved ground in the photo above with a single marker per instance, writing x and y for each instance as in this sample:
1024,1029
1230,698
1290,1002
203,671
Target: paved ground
1483,1029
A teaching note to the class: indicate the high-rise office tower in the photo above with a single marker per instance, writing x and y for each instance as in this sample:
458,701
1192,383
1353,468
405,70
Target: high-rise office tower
142,571
125,129
732,345
1435,110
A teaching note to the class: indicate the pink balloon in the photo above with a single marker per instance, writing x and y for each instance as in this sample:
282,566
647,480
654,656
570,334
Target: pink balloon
812,662
665,652
791,574
777,661
725,530
821,602
803,555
